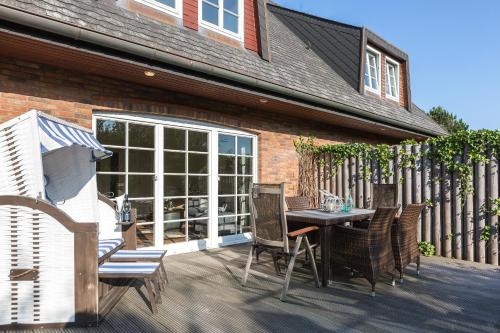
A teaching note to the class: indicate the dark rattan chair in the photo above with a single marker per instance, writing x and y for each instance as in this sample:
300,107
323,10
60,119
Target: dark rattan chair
270,232
298,203
369,250
383,195
404,239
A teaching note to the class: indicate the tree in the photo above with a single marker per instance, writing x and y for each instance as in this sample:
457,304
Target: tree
447,120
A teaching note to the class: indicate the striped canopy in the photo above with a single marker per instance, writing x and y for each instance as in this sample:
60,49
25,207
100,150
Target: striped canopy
56,134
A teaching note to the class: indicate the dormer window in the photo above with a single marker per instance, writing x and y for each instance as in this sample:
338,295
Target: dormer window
392,79
173,7
224,16
372,71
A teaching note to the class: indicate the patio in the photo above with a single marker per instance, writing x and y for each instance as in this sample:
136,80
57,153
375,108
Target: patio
205,295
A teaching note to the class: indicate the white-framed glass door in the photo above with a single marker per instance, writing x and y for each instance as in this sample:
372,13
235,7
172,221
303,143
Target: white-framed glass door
188,180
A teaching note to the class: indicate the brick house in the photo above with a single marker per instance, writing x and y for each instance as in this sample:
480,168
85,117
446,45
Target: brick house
196,98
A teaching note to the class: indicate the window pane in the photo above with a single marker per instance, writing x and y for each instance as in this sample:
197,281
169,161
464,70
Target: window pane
198,185
230,22
374,83
227,226
244,185
215,2
174,186
170,3
174,139
174,162
226,164
111,185
244,224
141,161
197,229
226,206
110,132
173,209
198,141
174,232
210,13
141,136
198,163
226,185
114,163
226,144
231,5
145,212
244,165
245,146
243,205
140,186
197,207
145,235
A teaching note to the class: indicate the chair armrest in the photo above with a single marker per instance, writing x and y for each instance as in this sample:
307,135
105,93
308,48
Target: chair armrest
302,231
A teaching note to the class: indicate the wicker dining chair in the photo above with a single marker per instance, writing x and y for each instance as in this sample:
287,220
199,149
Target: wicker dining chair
298,203
404,239
302,203
382,195
369,250
270,232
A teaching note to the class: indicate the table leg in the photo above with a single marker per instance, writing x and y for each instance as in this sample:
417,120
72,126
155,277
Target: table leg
325,237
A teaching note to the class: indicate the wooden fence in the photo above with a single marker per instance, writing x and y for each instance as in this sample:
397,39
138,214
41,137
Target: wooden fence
454,225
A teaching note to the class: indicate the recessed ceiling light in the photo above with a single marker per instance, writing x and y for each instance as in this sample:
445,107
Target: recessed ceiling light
149,73
263,100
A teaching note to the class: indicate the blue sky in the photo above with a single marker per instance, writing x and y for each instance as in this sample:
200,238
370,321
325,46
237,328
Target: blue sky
454,48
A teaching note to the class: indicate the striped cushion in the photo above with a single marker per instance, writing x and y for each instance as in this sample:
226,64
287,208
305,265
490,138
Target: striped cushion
140,254
108,245
128,268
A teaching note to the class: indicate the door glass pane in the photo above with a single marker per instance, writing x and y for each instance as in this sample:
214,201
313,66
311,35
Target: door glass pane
111,185
141,161
197,229
227,226
198,185
115,163
145,235
174,186
197,207
244,185
210,13
245,146
174,232
198,141
226,185
145,211
243,206
110,132
226,164
140,186
198,163
244,165
226,206
226,144
244,224
174,162
141,136
173,209
174,139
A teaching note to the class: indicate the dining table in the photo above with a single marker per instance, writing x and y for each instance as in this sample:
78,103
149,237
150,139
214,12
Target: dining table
326,221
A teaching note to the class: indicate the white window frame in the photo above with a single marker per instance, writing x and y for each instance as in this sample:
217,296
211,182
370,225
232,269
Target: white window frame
392,62
220,28
378,56
177,11
214,240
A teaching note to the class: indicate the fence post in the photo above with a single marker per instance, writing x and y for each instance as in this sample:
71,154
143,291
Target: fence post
469,217
397,174
345,178
417,186
457,214
407,198
493,219
436,209
446,195
339,177
480,211
427,193
367,186
359,182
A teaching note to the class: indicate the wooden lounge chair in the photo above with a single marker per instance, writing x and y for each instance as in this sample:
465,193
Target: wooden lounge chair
148,273
404,239
270,232
302,203
369,250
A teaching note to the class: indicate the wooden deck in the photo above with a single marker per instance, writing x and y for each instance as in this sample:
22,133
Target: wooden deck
205,295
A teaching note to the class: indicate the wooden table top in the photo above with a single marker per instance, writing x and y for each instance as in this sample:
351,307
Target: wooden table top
322,218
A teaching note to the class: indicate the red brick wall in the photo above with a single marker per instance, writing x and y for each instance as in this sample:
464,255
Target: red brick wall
190,14
74,96
251,26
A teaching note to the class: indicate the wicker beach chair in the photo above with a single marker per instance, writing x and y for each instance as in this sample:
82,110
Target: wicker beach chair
270,232
369,250
404,239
